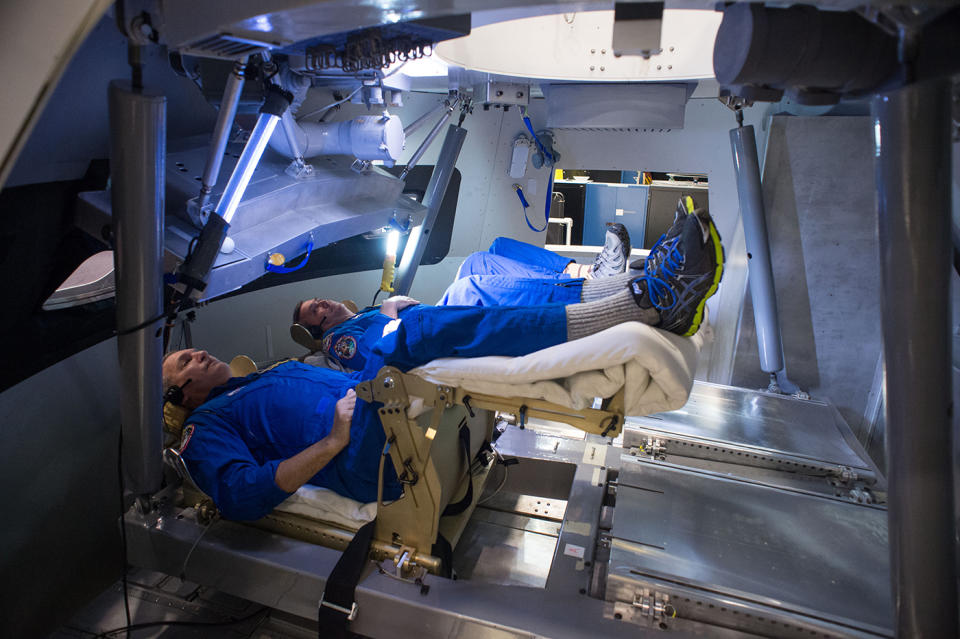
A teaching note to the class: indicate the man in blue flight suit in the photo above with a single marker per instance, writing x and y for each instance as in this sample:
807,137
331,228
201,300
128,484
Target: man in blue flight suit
250,442
510,273
347,337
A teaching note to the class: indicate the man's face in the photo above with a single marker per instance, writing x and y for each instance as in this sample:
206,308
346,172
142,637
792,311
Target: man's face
204,371
323,313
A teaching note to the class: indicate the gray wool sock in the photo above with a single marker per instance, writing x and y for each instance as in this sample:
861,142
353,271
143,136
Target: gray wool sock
588,318
604,287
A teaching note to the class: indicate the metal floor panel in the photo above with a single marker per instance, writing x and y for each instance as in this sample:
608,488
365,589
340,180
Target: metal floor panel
803,554
761,421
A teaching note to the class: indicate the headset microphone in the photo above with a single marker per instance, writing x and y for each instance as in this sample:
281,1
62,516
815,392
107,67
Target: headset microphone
174,394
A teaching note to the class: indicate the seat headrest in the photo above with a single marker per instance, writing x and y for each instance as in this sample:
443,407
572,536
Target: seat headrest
173,418
302,336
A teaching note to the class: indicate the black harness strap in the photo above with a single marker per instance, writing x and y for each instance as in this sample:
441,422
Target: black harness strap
464,503
444,552
337,603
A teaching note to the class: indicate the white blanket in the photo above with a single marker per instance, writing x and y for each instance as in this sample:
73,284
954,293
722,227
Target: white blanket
323,504
655,367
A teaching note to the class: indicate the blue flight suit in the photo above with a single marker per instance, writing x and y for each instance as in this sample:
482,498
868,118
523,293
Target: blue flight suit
511,257
507,290
350,342
233,443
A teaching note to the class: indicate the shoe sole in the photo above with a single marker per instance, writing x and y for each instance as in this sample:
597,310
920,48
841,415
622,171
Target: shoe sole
717,275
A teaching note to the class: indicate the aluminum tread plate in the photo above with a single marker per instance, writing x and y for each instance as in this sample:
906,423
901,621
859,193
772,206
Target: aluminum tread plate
804,428
801,553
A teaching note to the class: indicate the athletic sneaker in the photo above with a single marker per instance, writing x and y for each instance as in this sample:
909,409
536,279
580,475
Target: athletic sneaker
685,205
612,260
684,273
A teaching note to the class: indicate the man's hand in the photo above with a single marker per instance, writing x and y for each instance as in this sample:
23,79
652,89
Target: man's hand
343,418
395,304
297,470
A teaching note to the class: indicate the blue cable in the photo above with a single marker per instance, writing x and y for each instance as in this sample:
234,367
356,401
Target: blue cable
290,269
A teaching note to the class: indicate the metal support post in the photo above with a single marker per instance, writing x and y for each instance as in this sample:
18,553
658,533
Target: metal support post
450,106
299,167
436,189
138,133
221,131
912,136
419,122
762,291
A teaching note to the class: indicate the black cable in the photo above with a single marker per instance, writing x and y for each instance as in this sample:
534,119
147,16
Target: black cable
176,306
955,236
152,624
143,324
123,526
375,296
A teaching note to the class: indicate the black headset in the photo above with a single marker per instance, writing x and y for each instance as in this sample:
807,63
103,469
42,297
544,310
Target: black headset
174,394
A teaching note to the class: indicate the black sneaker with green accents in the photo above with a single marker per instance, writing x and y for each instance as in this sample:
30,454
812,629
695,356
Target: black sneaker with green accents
685,205
683,273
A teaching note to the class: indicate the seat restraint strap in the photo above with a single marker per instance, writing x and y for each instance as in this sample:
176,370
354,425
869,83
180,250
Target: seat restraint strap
464,503
338,605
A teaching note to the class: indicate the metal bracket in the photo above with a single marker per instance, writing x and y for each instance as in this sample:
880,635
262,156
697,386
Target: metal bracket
403,560
847,474
653,448
653,605
361,166
299,170
862,495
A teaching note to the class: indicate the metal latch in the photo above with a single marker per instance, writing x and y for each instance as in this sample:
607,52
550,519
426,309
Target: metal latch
654,448
653,604
403,560
847,474
351,613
